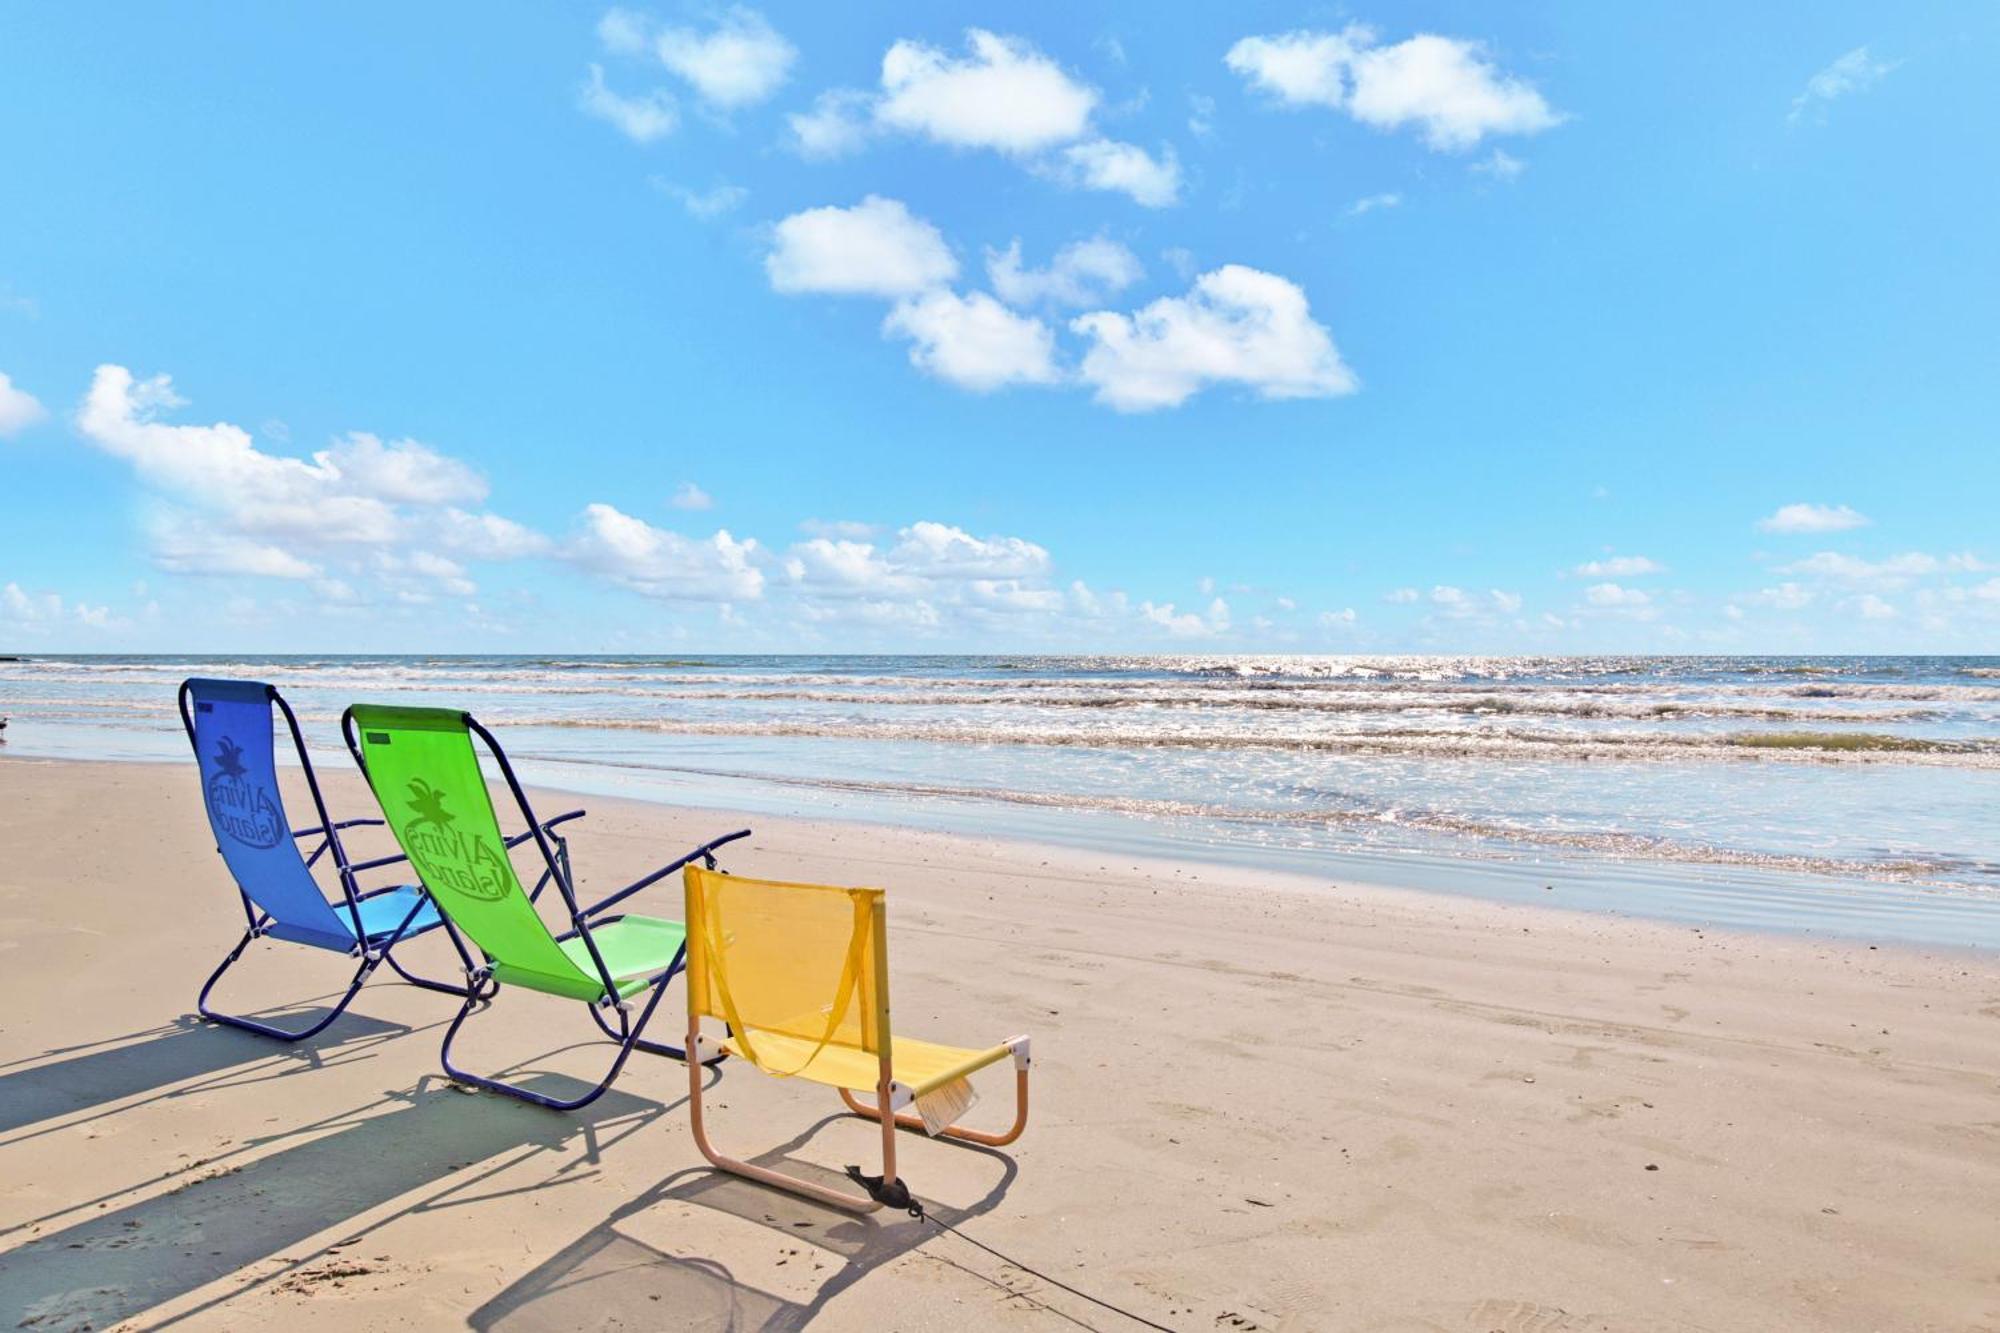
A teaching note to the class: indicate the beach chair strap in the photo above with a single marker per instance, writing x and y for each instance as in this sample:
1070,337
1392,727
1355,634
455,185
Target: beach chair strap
850,981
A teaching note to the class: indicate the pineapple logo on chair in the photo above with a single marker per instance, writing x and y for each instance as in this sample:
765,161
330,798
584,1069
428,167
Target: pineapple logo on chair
447,858
243,809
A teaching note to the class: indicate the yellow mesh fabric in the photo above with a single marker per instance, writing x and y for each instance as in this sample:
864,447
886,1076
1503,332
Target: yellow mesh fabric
794,969
919,1065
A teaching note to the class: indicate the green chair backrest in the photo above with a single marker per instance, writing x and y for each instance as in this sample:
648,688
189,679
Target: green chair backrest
425,775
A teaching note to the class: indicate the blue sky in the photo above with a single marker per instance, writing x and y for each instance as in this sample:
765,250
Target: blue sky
1288,328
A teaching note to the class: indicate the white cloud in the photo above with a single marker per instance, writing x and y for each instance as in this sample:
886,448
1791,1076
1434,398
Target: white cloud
1611,594
1870,607
840,528
1812,518
235,509
642,119
624,32
1619,567
1341,619
690,496
404,472
939,549
739,62
706,204
1082,273
1369,203
18,408
837,125
973,341
1892,571
1004,95
1855,72
1187,624
663,564
1237,325
1105,164
191,544
1501,165
1446,87
1784,597
876,248
1401,596
485,536
25,612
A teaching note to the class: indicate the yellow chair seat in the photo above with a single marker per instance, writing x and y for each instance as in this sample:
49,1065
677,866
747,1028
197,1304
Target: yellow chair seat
919,1066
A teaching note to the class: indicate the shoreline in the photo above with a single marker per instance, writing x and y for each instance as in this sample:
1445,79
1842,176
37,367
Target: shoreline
1298,1108
1677,893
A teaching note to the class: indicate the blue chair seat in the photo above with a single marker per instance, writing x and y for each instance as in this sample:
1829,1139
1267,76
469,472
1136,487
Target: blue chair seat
381,914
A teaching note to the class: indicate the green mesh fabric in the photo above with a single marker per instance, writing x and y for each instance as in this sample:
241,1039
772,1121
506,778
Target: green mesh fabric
426,777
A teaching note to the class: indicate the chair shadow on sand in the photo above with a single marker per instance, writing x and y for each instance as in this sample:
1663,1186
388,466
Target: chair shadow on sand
120,1262
101,1073
609,1278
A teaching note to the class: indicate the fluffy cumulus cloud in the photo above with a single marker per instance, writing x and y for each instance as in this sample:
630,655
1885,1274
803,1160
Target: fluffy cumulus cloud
1810,518
1855,72
1081,273
1106,164
37,613
1000,94
1237,325
739,61
227,507
641,117
875,248
19,409
736,60
663,564
1619,567
974,341
690,496
1446,88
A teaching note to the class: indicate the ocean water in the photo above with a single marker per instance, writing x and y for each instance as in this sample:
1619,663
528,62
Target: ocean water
1856,796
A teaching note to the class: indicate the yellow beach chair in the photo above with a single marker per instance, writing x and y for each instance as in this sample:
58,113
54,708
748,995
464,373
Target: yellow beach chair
799,973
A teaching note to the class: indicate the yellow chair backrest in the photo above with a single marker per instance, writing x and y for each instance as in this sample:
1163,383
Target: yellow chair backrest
808,961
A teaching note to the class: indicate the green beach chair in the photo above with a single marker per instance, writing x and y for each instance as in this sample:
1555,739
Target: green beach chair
424,771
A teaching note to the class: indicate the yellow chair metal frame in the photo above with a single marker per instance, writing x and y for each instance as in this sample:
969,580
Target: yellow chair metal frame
866,1062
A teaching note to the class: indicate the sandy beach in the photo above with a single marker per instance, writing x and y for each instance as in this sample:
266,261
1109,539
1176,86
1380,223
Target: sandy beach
1260,1102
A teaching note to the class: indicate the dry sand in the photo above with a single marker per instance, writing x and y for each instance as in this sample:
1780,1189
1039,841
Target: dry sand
1259,1102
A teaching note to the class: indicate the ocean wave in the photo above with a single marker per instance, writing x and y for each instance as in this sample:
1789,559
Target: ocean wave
1407,741
1622,845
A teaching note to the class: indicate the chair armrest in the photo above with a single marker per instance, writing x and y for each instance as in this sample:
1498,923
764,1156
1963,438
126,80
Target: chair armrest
703,852
318,829
356,867
547,825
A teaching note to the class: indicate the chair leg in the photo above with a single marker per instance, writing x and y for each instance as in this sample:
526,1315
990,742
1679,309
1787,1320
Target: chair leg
441,987
626,1045
853,1203
981,1137
266,1029
653,1047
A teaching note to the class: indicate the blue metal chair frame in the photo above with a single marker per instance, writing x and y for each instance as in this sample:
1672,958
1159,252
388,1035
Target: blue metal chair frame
371,947
482,987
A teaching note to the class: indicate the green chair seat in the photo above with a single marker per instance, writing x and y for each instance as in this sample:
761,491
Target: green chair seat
635,950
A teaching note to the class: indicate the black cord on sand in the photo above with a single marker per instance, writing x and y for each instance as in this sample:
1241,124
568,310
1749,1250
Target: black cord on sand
897,1195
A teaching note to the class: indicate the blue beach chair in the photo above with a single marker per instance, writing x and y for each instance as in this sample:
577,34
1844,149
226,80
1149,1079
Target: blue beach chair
230,725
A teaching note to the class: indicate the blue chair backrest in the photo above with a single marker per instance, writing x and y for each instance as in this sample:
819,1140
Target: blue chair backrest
231,725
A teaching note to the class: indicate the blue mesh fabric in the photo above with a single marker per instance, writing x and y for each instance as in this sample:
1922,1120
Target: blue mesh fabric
239,785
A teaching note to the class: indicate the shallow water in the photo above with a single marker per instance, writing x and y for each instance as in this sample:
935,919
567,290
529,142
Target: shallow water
1855,795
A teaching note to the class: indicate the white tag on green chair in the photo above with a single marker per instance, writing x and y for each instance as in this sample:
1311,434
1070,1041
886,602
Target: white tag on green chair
941,1108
